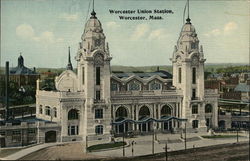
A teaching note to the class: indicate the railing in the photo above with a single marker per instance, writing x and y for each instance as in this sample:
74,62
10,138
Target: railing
72,94
146,93
211,91
195,98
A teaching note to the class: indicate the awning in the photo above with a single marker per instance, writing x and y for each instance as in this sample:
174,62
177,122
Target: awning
148,119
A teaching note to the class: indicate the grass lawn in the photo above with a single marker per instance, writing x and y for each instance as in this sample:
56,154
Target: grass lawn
106,146
6,152
218,136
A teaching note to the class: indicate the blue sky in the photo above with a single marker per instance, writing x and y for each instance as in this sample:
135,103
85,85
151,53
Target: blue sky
43,29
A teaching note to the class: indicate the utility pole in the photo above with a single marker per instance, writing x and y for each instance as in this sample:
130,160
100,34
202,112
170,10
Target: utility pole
132,143
237,130
185,136
153,145
123,147
166,151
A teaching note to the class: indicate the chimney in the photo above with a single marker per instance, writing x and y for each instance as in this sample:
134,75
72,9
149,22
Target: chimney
34,69
7,91
158,68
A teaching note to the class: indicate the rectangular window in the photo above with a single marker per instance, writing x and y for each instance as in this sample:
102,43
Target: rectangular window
73,130
68,130
99,129
179,75
98,95
98,75
194,76
16,136
83,75
77,130
195,109
31,131
98,113
193,94
195,123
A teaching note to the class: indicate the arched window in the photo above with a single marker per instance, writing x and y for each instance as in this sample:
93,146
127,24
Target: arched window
73,114
41,109
208,108
165,111
179,75
144,112
194,109
154,86
47,110
121,112
55,112
99,129
133,86
194,75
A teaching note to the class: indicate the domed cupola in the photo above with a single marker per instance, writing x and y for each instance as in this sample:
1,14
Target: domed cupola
93,36
188,40
20,61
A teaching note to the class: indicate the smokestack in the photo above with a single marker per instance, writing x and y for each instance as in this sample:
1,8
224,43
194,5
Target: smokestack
7,90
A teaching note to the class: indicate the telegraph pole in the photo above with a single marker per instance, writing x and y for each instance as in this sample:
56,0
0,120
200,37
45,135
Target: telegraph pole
166,151
153,145
185,136
123,147
132,143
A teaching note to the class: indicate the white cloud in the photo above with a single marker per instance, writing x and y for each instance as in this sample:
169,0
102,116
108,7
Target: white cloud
112,24
48,37
214,32
229,27
140,31
158,34
69,17
26,31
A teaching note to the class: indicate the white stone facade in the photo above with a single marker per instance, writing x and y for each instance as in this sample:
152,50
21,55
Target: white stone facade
87,102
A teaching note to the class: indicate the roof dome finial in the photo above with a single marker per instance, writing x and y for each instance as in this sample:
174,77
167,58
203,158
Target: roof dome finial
93,11
188,19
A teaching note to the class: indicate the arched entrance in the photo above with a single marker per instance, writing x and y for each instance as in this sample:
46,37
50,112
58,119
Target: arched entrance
144,113
121,114
50,136
73,122
166,112
222,124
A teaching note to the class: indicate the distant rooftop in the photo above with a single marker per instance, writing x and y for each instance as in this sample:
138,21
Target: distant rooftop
242,87
21,69
161,73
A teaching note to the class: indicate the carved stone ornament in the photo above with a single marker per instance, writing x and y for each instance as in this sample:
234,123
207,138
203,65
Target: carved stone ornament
195,60
99,59
178,60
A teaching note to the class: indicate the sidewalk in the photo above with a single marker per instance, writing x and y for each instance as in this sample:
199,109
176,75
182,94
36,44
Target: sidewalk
29,150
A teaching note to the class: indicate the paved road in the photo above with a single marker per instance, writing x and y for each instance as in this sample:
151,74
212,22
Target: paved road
143,144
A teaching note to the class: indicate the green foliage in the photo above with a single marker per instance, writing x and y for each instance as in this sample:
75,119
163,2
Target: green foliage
234,69
48,84
106,146
18,96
